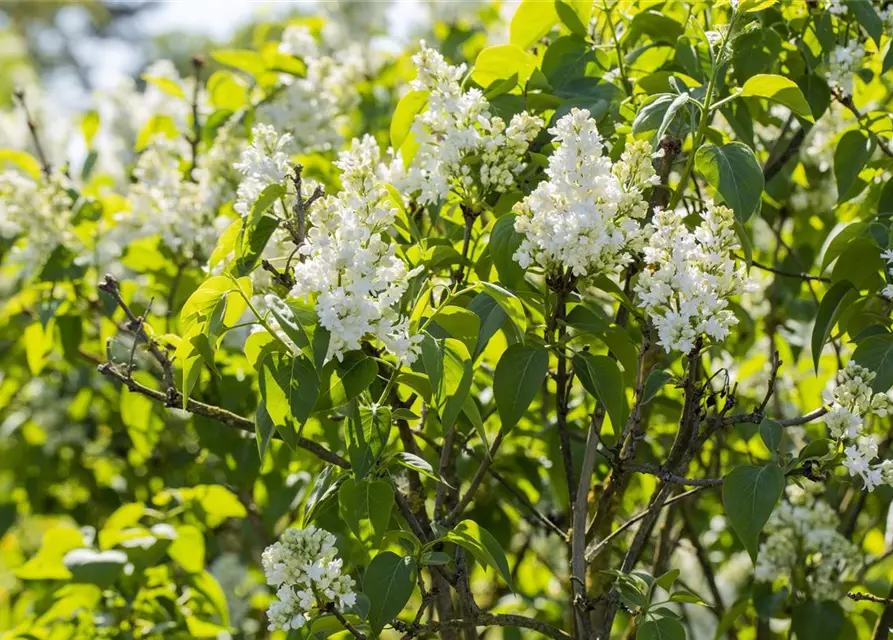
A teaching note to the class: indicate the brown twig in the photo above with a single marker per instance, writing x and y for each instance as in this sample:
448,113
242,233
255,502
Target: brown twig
786,274
484,620
215,413
45,165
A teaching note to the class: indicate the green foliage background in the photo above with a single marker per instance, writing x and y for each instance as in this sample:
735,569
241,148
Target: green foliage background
175,507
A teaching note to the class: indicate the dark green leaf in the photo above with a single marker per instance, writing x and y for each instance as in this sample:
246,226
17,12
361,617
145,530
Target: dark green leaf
852,152
876,353
482,545
504,241
734,172
771,432
365,507
829,310
518,378
661,629
388,583
749,495
601,377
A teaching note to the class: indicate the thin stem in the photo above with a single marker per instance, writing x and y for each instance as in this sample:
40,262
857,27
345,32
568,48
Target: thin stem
706,116
45,165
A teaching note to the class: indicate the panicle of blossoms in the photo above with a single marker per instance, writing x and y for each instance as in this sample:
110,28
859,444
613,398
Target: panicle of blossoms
835,7
349,265
37,214
690,276
802,540
266,161
851,399
315,109
307,575
455,126
843,63
164,202
586,218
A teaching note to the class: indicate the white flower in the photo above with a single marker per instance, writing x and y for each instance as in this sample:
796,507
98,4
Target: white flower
300,565
843,63
37,214
165,202
851,398
690,277
315,109
835,7
265,162
802,540
349,264
585,217
462,146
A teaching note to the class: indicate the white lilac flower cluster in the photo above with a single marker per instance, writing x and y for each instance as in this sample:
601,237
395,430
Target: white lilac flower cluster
842,66
586,218
462,146
349,265
165,201
266,161
307,575
690,276
315,109
835,7
852,400
37,214
887,291
803,543
124,111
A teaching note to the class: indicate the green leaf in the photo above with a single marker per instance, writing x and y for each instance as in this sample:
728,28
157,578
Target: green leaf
407,109
654,383
503,62
509,303
21,159
876,353
414,462
778,89
365,507
188,548
504,241
518,377
448,366
482,545
661,629
388,583
101,568
601,377
462,324
813,620
749,495
368,432
492,318
771,433
828,313
343,381
734,172
868,17
289,388
208,586
246,60
575,15
532,20
265,200
852,152
227,91
666,580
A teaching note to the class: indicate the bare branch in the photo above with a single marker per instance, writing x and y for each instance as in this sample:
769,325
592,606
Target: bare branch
173,399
